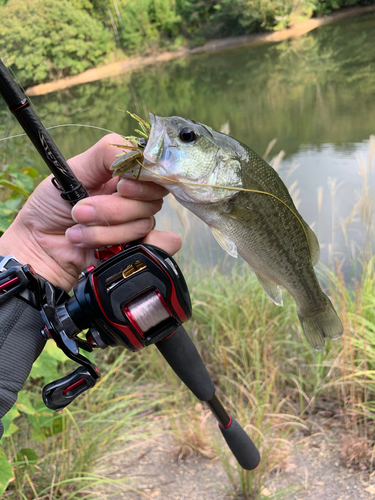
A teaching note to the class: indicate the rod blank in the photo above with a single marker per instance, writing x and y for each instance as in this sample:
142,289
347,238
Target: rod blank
18,104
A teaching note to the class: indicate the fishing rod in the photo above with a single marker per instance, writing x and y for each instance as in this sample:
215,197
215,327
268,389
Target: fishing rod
135,297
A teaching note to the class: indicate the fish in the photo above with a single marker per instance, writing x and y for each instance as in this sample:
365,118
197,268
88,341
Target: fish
248,209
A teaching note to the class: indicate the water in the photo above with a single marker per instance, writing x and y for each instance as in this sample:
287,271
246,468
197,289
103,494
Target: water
315,94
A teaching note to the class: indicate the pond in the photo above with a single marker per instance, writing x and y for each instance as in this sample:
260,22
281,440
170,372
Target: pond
314,94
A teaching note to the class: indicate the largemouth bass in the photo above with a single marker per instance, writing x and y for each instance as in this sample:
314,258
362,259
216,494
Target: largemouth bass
265,229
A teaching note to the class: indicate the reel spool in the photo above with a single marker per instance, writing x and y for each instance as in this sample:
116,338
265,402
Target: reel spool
147,311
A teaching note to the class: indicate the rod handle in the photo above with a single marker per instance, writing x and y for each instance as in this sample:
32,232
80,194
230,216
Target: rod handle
240,444
181,354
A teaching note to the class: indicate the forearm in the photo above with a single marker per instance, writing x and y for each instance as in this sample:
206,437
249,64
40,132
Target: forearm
21,343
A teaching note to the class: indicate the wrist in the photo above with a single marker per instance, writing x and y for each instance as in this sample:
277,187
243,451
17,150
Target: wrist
16,241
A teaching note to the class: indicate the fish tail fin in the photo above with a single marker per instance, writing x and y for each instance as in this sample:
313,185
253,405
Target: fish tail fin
323,325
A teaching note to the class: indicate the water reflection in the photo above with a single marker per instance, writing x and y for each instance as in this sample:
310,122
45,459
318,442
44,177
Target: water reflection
315,94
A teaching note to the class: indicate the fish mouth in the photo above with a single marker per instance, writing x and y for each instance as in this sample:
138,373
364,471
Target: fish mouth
154,147
152,119
157,142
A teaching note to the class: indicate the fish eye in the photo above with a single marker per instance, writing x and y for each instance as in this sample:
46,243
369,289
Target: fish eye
187,135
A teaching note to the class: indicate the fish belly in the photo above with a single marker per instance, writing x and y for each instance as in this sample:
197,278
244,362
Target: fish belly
279,255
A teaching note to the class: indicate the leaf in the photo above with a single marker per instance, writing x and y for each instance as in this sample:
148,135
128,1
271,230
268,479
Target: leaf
13,203
6,473
45,422
5,223
39,435
23,181
141,133
55,352
9,427
45,367
12,186
28,456
43,416
24,404
31,172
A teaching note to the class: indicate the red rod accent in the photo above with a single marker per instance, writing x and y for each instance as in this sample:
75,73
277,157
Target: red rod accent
8,283
226,426
20,107
73,386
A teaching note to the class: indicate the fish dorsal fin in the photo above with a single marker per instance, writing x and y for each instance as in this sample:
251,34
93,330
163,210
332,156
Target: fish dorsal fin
273,290
314,244
225,243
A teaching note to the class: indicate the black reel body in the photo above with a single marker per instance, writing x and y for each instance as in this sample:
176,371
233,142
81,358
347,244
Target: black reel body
133,299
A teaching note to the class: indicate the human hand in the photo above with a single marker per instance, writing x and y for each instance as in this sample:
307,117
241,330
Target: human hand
59,241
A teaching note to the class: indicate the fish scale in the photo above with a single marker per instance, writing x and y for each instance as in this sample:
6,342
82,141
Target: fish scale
215,176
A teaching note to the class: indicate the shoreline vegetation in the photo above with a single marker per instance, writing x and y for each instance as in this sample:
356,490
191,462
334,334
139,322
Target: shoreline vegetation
267,375
141,61
54,45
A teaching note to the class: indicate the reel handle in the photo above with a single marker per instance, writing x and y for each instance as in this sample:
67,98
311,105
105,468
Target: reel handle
181,354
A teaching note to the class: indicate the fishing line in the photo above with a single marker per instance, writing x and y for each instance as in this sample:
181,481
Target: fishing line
231,189
64,125
70,125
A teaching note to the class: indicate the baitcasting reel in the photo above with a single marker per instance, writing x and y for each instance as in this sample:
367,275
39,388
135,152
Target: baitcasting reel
133,299
136,297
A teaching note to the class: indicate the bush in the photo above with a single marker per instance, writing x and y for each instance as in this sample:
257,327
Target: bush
42,39
142,24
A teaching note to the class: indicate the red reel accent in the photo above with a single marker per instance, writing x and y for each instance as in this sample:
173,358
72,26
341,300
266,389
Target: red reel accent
106,253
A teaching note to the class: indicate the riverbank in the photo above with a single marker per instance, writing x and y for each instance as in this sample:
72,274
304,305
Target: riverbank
139,62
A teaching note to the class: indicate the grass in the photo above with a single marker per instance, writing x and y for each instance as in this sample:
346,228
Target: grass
265,372
113,414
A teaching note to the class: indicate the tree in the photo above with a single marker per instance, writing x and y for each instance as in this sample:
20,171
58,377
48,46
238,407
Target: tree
42,39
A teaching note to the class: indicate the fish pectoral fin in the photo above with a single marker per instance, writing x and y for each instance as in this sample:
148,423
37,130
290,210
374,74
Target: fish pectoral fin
273,290
225,243
314,244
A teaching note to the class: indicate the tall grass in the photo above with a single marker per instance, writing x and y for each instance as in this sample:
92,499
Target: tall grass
264,370
83,437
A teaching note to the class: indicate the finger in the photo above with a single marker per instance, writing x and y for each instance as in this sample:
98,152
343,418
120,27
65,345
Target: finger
100,236
92,166
168,241
113,210
141,190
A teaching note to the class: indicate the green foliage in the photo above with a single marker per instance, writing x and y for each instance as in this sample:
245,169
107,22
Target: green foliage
42,422
42,39
141,25
54,453
6,473
204,19
16,184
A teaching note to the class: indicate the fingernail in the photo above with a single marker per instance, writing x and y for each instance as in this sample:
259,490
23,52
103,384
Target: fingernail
128,187
83,214
74,235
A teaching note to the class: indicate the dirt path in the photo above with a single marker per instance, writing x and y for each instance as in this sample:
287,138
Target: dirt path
315,471
320,471
135,63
